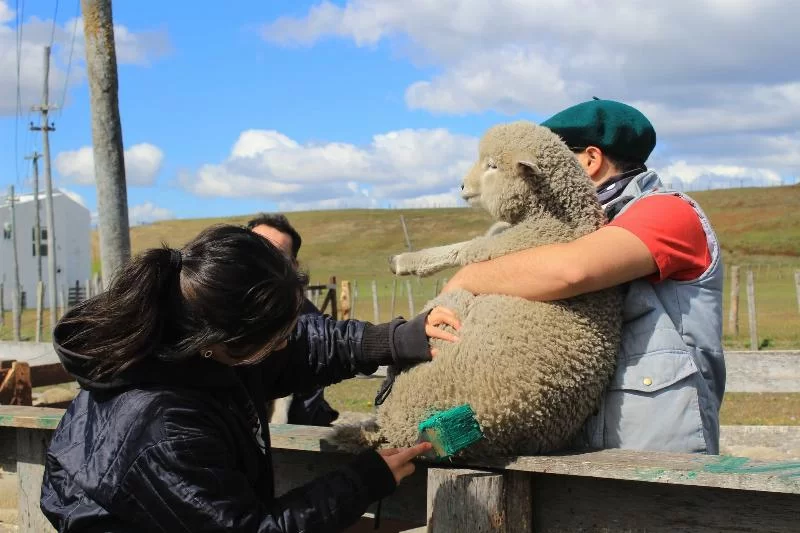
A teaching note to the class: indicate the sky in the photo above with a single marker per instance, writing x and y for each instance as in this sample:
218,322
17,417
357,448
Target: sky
294,105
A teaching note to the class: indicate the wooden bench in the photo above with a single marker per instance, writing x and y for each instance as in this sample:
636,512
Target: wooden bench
610,490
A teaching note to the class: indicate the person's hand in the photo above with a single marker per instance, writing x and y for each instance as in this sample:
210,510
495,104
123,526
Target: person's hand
440,316
399,459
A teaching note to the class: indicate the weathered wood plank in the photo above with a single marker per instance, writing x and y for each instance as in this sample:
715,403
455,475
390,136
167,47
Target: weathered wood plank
31,450
569,503
770,443
724,472
24,416
49,374
762,371
465,500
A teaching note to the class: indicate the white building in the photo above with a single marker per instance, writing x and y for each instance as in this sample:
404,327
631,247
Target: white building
73,252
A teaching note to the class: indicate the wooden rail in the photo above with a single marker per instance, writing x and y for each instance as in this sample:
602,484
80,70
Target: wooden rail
609,490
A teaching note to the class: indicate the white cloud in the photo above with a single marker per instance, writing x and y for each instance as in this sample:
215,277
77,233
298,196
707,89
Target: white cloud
142,164
683,172
704,71
132,47
396,165
147,213
516,56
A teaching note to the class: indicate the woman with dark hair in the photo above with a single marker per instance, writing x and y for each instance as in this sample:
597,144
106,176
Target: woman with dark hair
175,361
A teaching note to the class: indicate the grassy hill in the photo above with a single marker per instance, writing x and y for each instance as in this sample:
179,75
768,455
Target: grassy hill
759,227
755,225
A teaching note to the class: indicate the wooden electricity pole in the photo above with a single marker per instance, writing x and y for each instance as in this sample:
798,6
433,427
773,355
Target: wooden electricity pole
109,163
46,128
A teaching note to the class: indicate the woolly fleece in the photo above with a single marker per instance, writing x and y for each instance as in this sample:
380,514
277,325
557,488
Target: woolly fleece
532,371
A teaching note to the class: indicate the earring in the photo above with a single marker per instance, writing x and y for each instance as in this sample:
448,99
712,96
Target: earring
207,354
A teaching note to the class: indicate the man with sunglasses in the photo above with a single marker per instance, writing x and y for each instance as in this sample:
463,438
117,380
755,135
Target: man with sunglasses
659,245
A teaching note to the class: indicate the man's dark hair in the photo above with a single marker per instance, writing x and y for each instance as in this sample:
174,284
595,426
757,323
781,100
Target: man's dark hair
226,286
281,223
624,165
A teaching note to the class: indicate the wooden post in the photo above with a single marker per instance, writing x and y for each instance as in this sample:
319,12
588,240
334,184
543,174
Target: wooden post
410,300
751,310
435,289
354,300
394,298
63,306
376,312
797,287
332,292
39,309
16,312
16,386
31,452
2,305
733,313
475,500
344,300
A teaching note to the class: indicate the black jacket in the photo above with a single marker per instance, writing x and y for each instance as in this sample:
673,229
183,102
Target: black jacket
185,447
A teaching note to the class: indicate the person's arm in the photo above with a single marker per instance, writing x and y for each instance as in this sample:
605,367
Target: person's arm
605,258
323,351
194,484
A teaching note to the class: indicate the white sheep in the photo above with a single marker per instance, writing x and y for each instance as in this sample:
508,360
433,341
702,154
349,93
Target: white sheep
532,371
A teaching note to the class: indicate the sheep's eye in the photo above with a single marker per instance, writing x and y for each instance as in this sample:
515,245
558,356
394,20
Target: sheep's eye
491,164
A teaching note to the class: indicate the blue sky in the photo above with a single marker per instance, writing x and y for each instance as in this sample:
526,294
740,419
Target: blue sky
287,105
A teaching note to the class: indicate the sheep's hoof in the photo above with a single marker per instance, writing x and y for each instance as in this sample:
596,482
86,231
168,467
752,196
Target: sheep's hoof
398,266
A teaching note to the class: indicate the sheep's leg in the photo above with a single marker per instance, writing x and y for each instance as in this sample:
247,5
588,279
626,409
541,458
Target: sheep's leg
428,261
519,237
280,410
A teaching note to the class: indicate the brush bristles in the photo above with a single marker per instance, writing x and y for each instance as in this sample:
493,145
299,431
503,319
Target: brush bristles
451,431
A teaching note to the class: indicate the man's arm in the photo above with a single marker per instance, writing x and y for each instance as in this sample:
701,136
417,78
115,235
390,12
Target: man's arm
605,258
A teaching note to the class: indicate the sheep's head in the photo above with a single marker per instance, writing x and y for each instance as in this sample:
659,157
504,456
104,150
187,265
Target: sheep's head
524,167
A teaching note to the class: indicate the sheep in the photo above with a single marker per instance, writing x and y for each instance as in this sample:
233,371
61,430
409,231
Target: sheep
532,371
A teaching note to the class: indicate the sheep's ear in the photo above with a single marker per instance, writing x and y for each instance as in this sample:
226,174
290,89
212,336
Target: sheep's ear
527,168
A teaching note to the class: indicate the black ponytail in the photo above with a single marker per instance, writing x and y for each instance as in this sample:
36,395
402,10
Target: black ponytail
228,285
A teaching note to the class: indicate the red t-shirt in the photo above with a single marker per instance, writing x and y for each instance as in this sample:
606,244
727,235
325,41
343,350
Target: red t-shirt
670,228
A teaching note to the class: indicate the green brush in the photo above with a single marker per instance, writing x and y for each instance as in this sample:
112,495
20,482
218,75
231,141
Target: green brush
450,431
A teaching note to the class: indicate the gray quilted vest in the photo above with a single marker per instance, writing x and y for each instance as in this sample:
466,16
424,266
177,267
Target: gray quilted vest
667,388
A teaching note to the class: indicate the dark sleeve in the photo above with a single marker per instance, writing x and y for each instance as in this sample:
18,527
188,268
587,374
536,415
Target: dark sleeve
323,351
192,484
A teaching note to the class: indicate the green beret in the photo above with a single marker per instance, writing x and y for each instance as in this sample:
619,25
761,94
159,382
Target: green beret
618,129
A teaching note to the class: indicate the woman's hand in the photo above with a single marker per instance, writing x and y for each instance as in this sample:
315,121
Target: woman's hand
440,316
399,459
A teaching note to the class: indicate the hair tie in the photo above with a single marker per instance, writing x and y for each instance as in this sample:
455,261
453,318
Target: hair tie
176,259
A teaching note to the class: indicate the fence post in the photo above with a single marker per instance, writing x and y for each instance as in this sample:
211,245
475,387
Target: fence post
376,312
16,312
354,299
751,310
334,301
2,306
797,287
39,309
344,301
733,313
410,300
394,296
486,501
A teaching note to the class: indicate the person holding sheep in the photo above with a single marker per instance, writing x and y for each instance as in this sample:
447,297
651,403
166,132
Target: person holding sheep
669,381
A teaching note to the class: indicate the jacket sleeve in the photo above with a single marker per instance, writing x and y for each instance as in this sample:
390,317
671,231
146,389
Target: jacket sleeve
192,484
323,351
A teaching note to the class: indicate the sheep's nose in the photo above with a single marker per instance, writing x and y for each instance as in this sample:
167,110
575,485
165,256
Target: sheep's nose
462,186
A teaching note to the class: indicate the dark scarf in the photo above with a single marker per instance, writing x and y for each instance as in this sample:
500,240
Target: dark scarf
611,189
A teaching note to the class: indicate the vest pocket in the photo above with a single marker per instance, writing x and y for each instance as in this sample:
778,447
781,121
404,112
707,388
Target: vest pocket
652,404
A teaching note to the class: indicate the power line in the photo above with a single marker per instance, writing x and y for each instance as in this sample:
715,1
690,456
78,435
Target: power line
69,62
53,30
19,13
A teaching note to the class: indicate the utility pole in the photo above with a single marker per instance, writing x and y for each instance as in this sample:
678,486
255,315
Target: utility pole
46,128
37,237
109,163
16,293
